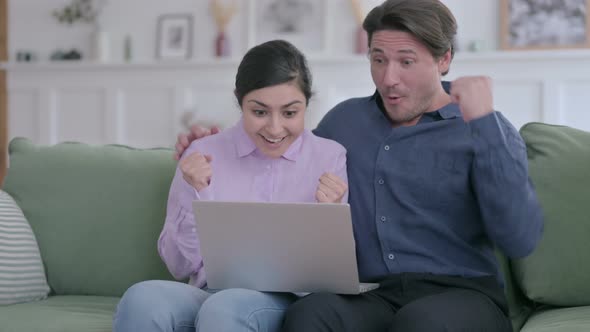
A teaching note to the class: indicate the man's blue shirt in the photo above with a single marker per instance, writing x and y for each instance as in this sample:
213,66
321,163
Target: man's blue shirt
435,197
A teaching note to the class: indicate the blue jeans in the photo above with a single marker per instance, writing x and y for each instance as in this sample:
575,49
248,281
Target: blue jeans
173,306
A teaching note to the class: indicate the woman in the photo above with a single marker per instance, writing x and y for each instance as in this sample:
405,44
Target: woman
266,156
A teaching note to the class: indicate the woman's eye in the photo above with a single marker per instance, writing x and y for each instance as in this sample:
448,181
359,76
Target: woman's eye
289,114
259,112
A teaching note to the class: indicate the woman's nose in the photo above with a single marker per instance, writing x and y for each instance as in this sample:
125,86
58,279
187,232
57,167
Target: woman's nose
274,126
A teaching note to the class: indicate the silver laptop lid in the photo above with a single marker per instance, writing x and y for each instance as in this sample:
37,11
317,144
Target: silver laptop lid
282,247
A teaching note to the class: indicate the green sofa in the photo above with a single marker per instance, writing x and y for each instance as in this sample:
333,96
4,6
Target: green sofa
97,213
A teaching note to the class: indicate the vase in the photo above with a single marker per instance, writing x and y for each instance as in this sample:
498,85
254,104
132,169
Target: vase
221,45
361,41
127,49
101,46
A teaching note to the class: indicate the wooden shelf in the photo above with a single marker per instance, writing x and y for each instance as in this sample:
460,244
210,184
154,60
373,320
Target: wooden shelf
460,57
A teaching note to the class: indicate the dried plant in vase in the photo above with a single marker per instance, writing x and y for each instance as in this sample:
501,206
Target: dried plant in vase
361,40
222,14
87,11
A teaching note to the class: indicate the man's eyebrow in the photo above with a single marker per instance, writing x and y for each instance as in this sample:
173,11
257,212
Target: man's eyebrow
407,51
403,51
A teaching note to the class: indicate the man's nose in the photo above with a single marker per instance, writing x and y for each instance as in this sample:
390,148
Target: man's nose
391,75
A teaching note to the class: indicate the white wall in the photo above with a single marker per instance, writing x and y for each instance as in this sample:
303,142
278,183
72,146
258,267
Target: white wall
144,103
477,20
33,28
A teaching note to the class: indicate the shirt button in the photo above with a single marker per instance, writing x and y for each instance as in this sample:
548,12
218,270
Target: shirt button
381,181
391,257
383,218
386,148
194,229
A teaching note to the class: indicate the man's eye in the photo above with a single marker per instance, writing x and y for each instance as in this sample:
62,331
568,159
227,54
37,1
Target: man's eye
407,62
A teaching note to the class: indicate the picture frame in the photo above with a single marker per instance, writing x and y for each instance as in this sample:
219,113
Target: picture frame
542,25
174,36
304,23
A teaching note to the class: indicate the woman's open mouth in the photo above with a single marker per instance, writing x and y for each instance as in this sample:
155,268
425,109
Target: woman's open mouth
273,140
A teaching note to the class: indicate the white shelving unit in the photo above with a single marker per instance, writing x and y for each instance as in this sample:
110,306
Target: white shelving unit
143,104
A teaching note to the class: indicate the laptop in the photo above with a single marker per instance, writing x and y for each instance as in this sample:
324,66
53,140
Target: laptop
278,247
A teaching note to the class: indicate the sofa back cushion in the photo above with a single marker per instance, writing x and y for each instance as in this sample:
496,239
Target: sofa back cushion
22,276
558,272
96,211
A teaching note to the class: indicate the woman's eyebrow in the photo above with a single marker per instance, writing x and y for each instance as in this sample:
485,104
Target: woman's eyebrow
258,102
292,103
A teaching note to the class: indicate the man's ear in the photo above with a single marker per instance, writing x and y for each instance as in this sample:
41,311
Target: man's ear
444,62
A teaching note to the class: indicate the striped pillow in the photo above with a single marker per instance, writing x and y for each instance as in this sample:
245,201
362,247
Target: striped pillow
22,277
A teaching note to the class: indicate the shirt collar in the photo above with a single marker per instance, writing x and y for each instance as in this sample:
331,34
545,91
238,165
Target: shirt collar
245,146
243,143
450,111
294,151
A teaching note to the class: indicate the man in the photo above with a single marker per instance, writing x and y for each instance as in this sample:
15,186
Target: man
436,179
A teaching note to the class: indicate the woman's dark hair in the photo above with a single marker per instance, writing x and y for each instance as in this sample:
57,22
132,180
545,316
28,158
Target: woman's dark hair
430,21
272,63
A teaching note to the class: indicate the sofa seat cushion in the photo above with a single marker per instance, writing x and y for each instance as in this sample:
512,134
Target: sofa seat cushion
60,314
559,320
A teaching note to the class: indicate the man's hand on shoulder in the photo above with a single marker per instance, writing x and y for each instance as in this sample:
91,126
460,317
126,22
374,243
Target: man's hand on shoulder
474,96
196,132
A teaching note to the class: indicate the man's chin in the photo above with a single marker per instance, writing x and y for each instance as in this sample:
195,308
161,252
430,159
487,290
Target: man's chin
403,119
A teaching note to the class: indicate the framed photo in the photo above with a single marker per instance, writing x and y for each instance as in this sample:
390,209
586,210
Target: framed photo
174,36
544,24
301,22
